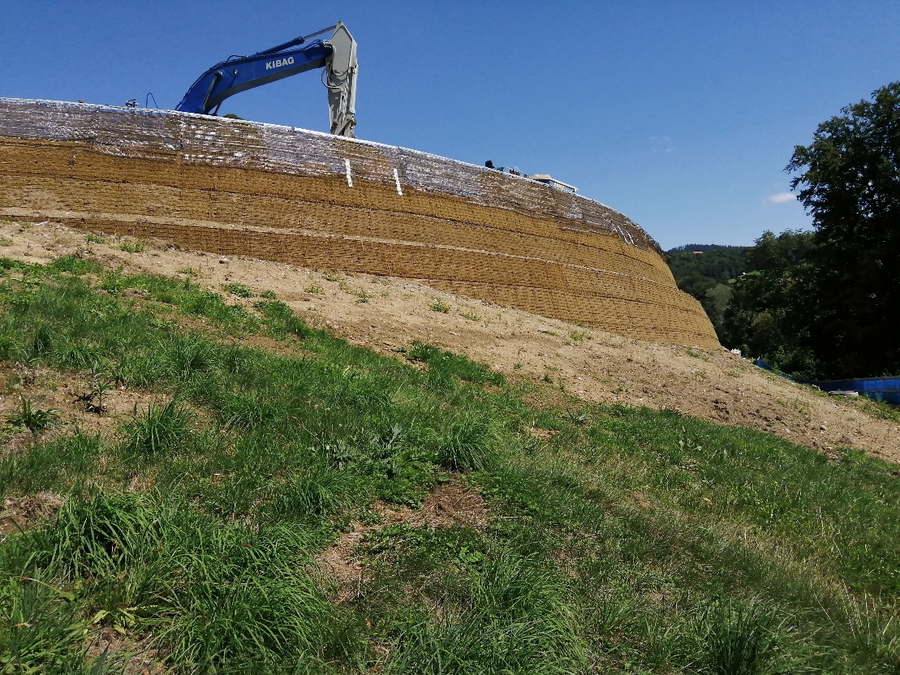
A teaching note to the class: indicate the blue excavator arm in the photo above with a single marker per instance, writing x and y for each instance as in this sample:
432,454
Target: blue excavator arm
337,55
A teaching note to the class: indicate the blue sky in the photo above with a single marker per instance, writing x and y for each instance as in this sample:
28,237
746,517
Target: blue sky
681,115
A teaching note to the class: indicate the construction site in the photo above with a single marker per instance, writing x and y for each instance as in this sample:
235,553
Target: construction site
283,401
194,185
233,187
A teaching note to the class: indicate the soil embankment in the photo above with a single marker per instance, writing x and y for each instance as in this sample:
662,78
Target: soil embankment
386,313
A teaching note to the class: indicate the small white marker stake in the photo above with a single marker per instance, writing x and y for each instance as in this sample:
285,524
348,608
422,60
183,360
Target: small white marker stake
397,181
349,177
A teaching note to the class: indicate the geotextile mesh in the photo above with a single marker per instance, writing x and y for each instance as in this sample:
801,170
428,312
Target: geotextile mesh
238,188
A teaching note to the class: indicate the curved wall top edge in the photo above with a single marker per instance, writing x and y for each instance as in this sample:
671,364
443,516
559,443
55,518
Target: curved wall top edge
240,142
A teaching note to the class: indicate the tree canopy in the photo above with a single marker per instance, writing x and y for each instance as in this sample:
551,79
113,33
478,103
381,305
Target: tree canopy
771,310
848,179
821,304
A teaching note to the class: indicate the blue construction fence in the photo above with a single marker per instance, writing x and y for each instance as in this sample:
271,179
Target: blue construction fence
878,388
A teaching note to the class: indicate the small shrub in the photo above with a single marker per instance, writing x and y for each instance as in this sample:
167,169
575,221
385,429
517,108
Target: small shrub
439,306
99,385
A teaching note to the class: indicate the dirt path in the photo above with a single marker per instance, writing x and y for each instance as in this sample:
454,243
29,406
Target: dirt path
386,313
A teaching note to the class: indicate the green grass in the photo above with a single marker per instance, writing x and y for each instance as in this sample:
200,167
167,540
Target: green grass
33,419
239,290
132,246
628,541
158,430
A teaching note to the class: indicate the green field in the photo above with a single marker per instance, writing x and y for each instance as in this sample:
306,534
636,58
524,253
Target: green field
615,539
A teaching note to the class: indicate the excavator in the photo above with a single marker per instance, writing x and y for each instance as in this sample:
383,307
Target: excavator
336,55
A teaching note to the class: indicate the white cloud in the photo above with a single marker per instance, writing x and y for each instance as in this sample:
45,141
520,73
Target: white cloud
661,144
781,198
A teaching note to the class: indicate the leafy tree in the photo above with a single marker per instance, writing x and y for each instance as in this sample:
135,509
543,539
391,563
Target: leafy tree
715,302
771,309
773,253
848,179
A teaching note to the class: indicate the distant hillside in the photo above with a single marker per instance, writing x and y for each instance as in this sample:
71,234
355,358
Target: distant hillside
700,247
717,263
703,271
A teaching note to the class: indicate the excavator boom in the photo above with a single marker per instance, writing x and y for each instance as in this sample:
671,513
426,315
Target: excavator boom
337,55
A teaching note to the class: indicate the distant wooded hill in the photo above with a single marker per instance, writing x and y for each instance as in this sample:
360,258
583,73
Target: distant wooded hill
716,263
704,270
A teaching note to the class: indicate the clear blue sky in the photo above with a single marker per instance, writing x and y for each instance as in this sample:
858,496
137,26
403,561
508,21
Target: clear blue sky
682,115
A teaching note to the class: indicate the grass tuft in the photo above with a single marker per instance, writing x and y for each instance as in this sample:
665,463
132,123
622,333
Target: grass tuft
514,623
35,420
239,290
444,367
739,639
159,430
470,444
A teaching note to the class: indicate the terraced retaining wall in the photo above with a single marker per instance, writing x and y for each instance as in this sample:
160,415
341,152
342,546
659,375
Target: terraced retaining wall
233,187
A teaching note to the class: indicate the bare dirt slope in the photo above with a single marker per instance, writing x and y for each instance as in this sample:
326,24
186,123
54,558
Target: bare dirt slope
385,313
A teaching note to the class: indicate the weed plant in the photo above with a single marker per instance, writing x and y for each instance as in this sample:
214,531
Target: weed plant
239,290
33,419
132,246
627,541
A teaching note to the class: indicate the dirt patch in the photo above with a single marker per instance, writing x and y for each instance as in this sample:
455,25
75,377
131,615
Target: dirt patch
67,397
447,505
543,434
386,313
21,512
143,659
